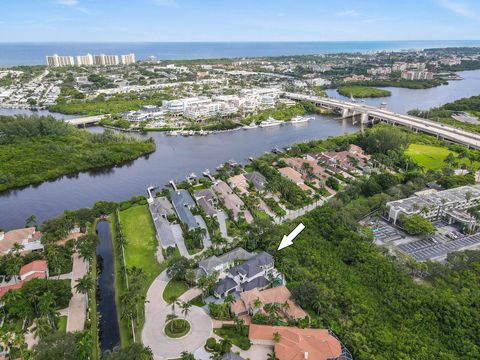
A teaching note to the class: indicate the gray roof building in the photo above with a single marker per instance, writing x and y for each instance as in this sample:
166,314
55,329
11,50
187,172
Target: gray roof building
206,199
183,202
160,208
253,266
257,179
214,263
225,286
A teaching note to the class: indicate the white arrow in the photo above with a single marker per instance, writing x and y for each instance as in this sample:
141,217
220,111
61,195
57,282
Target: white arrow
287,240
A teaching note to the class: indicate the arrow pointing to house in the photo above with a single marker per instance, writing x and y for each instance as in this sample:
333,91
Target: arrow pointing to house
287,240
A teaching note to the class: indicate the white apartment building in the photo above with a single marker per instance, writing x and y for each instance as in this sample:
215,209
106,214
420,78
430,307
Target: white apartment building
106,60
127,59
417,75
59,61
85,60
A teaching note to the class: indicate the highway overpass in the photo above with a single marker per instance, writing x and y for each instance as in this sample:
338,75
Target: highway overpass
370,114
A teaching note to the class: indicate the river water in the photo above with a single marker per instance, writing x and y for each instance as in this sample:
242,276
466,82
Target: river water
109,330
176,157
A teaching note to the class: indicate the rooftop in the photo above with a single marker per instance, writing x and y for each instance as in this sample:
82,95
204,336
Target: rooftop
182,202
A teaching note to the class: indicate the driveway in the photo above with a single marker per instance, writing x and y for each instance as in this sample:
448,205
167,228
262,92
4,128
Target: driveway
222,222
206,240
77,308
156,310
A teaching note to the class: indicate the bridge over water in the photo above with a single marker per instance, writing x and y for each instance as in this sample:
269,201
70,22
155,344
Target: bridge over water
86,120
369,114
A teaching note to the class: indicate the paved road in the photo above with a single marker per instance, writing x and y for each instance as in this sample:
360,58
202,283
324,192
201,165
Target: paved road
156,311
77,308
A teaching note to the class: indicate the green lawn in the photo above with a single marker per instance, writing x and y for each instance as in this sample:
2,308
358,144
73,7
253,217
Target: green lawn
62,324
230,331
431,157
138,229
174,289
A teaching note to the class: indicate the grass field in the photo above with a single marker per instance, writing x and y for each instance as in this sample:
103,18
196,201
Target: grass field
138,229
62,324
431,157
174,289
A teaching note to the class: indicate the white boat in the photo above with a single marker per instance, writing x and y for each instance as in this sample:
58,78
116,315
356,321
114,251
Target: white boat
270,122
252,125
299,119
173,133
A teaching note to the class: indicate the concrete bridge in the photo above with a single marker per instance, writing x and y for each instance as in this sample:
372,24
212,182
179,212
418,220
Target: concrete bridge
367,114
86,120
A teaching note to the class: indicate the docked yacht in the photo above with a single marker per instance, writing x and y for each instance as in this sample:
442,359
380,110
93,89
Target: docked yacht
300,119
252,125
270,122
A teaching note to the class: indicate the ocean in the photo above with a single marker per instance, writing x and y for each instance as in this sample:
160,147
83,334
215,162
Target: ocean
13,54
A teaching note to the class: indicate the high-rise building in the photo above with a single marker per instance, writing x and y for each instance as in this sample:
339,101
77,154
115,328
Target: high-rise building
85,60
106,60
127,59
58,61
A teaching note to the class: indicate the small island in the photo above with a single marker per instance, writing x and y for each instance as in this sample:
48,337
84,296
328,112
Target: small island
35,149
363,92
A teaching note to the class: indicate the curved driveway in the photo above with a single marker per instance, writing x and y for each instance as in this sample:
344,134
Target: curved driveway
156,310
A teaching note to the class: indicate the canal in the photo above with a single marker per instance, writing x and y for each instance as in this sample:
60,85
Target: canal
176,157
108,330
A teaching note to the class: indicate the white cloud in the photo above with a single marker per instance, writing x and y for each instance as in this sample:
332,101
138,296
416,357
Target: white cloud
166,3
67,2
460,8
350,12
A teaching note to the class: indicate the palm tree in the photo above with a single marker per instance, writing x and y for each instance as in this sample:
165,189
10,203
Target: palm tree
46,307
272,356
317,305
13,266
229,300
285,307
276,336
225,345
17,248
186,356
84,285
42,328
169,319
257,304
186,308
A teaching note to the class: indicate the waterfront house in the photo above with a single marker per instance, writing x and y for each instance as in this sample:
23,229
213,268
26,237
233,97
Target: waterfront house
238,182
207,200
183,203
258,180
254,273
295,177
160,208
29,238
232,201
222,263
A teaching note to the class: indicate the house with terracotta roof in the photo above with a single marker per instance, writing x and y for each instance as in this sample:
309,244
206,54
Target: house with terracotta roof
29,238
232,201
279,295
37,269
350,160
294,176
238,182
299,344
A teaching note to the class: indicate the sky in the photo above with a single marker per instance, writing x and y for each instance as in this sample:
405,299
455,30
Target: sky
237,20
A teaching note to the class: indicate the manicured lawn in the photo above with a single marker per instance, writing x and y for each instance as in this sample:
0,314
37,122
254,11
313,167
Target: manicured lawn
174,289
142,245
431,157
177,328
62,324
230,331
138,229
197,301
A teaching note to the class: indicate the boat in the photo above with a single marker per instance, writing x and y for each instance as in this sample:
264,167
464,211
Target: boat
299,119
173,133
270,122
252,125
352,98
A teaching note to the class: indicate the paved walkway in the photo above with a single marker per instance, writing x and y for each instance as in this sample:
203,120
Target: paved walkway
190,294
77,308
156,310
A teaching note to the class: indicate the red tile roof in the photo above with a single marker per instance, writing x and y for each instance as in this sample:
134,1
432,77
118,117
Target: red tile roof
298,344
37,266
